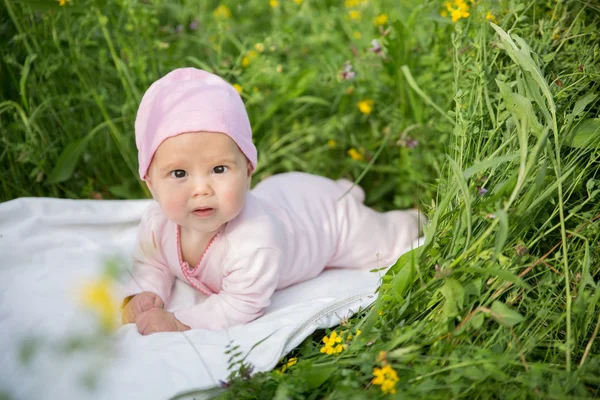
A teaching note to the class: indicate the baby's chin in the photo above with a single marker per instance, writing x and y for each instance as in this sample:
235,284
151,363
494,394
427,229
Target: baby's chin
202,225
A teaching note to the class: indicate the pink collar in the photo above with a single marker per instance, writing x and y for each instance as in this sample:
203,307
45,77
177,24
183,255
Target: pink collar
188,271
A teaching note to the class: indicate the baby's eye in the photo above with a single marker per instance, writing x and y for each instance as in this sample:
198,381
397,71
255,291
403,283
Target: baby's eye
220,169
178,174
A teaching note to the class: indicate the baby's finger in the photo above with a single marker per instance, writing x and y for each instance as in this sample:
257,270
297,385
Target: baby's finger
150,328
158,302
141,322
146,303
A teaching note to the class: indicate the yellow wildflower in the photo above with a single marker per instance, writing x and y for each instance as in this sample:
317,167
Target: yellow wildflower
490,17
458,9
292,361
97,296
380,313
251,55
387,378
354,15
356,35
298,1
259,47
354,3
381,19
237,87
222,12
356,155
284,367
273,3
357,334
63,2
331,143
458,14
332,344
365,106
279,68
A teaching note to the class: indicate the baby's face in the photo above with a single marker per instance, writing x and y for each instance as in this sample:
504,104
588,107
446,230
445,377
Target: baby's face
200,180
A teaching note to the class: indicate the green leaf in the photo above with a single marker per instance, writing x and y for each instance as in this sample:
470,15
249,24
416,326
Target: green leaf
477,320
403,351
282,392
586,134
70,156
123,191
454,294
502,234
500,273
489,163
403,273
316,376
312,100
579,107
507,316
519,106
522,57
462,184
67,161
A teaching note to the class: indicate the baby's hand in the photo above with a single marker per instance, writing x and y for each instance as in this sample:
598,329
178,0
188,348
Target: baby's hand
158,320
138,304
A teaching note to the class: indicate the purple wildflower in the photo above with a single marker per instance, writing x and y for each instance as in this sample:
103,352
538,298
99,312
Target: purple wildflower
376,47
223,384
408,142
347,73
482,190
194,25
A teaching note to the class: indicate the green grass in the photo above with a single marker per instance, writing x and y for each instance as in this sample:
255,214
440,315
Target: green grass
502,301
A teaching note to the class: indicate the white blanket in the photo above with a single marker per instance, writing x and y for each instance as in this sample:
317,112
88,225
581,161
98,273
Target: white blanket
50,247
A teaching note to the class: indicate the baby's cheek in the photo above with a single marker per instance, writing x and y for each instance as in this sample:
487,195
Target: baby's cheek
234,199
171,207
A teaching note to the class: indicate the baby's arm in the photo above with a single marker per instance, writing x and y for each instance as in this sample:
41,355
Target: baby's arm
248,283
151,280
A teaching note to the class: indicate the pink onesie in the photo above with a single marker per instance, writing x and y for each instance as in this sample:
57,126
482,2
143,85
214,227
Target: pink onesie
292,226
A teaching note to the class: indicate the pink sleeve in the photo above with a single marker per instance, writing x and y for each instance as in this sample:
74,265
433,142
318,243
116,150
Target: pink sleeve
248,283
150,270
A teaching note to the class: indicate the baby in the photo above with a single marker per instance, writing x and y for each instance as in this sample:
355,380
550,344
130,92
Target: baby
236,245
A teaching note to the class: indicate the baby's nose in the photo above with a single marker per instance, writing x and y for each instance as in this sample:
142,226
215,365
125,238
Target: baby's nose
202,187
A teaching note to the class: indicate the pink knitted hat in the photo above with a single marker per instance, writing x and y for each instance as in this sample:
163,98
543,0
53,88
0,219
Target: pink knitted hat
190,100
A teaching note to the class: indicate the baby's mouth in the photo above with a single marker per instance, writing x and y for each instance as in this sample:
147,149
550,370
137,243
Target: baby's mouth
203,211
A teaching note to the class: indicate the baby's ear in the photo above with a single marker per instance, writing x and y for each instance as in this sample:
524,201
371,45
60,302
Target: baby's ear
149,184
249,175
